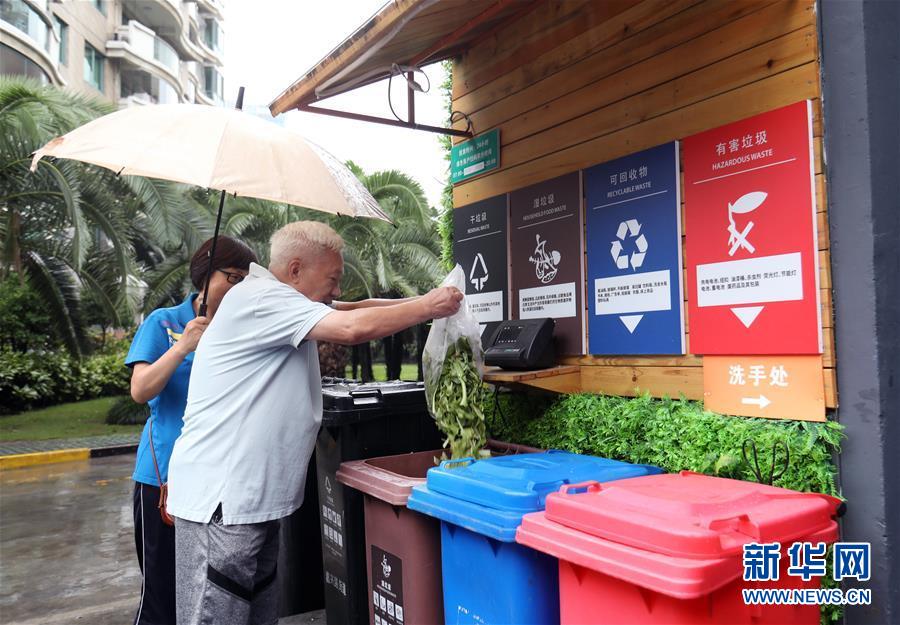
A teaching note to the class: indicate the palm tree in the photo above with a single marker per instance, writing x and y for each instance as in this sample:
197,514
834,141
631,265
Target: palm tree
69,229
402,260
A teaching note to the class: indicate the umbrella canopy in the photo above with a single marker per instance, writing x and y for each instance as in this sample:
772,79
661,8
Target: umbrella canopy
217,148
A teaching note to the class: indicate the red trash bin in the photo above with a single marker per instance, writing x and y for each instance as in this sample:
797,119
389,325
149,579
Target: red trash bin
668,549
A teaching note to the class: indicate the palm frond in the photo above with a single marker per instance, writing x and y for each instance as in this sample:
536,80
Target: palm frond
59,289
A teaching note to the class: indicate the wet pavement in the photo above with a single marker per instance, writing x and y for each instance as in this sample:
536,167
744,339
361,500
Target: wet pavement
67,545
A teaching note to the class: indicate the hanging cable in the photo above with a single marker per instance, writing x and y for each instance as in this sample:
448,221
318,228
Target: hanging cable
397,70
455,116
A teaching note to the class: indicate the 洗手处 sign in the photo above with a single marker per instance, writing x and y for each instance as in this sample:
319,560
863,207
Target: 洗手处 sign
783,387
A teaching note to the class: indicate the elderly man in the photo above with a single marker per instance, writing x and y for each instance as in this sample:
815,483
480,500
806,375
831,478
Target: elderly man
253,411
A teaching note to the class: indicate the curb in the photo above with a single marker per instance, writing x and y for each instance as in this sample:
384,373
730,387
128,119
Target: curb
18,461
113,450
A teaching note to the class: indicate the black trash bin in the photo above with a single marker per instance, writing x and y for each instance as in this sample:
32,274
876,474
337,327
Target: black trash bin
299,554
360,421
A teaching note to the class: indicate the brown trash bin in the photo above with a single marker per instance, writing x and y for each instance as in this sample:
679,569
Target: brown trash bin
403,548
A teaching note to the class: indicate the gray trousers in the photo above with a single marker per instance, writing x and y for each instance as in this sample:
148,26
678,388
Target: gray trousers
226,574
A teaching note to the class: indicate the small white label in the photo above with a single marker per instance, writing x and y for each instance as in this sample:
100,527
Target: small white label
634,293
486,306
473,168
556,300
751,281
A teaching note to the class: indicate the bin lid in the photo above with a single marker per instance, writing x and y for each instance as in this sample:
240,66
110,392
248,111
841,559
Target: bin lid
388,478
346,396
678,577
490,496
690,515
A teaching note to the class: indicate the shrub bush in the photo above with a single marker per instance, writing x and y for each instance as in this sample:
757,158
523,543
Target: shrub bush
126,411
45,378
23,324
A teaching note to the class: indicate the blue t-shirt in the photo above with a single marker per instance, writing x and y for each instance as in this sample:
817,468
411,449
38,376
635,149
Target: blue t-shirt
161,330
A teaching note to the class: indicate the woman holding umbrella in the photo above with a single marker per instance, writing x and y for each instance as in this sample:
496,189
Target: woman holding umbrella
160,357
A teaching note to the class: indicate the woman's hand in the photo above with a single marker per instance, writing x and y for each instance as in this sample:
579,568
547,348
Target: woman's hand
191,335
149,379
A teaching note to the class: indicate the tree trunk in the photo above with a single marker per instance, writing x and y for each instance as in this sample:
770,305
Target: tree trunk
393,355
387,347
421,335
365,359
354,361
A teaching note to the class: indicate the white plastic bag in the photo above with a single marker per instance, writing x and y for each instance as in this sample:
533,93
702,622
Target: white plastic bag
459,395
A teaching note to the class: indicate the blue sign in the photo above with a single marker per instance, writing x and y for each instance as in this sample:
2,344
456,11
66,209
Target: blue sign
634,254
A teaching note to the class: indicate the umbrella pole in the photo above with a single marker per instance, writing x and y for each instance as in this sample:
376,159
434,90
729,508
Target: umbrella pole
212,252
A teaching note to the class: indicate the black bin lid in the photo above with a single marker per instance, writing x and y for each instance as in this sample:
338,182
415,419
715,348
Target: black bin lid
342,394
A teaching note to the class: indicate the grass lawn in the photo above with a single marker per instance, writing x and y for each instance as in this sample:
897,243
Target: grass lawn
407,371
83,418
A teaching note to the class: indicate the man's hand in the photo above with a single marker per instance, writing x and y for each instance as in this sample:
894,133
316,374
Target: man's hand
442,301
191,335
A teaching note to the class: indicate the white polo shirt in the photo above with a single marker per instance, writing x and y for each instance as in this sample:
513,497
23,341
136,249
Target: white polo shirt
254,407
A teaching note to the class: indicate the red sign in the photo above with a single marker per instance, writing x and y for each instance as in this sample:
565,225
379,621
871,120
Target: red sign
750,225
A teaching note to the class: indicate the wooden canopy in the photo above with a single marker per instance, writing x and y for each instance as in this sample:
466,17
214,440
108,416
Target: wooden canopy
403,34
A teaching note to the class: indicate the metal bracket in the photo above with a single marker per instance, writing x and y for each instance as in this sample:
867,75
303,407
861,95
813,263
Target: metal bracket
383,120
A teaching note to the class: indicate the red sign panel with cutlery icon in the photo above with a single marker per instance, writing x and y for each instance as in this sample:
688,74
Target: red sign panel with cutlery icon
750,226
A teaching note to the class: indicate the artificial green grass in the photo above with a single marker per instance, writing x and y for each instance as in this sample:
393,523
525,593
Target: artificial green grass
73,420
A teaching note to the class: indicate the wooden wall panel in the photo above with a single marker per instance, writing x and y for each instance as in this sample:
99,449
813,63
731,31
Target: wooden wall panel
573,84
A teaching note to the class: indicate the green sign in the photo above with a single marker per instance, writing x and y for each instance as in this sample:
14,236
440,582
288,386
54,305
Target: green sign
475,156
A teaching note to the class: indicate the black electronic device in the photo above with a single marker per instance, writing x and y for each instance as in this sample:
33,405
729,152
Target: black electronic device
522,344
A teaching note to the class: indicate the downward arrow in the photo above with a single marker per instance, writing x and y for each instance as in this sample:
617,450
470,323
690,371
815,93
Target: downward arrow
747,315
762,401
631,321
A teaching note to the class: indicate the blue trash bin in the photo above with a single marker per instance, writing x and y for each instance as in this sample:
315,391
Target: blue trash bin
487,577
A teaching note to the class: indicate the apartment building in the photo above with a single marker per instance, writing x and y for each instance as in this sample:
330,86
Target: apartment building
129,51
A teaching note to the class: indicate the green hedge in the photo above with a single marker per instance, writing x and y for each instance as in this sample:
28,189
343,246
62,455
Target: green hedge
672,434
45,378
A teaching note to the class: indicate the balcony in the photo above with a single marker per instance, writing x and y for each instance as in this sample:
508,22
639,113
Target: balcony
142,50
139,87
29,39
216,7
169,19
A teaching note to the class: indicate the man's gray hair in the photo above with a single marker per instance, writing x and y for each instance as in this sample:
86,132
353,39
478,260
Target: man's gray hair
304,240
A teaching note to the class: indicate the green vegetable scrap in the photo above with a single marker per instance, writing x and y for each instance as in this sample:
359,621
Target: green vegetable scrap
456,402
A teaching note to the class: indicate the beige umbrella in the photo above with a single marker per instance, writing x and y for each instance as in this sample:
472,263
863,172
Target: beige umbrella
217,148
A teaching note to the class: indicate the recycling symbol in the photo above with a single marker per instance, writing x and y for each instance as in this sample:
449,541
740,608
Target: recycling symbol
630,229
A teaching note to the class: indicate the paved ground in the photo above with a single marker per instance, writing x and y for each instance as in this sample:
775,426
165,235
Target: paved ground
66,545
91,442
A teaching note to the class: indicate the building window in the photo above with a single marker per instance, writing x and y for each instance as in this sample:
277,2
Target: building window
17,64
212,35
63,41
93,67
213,83
100,5
20,15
